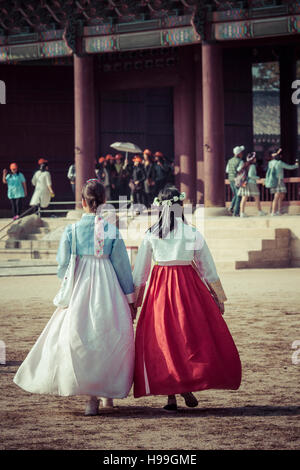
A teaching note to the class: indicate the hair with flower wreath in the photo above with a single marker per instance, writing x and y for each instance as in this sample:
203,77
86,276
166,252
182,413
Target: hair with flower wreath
170,203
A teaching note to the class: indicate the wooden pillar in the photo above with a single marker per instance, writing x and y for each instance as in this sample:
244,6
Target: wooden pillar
199,127
84,104
238,99
184,128
213,126
288,110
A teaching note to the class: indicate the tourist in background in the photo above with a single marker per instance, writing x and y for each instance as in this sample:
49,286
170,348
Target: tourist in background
250,189
161,172
43,191
119,162
168,167
149,183
105,177
99,169
279,189
231,170
137,181
16,188
126,175
72,176
112,175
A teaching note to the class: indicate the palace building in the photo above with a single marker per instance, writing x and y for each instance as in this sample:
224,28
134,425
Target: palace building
169,75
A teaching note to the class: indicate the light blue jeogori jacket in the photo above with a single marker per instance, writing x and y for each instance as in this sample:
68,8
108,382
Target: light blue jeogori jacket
114,247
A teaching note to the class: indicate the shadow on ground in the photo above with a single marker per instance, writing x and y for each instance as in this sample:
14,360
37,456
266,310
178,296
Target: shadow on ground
141,412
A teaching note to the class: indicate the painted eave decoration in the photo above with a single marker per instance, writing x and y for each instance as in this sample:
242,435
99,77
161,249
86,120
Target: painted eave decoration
39,29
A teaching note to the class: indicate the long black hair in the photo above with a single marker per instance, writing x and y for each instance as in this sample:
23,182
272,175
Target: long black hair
168,193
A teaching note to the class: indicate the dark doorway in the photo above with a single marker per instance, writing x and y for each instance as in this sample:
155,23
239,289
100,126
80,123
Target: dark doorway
141,116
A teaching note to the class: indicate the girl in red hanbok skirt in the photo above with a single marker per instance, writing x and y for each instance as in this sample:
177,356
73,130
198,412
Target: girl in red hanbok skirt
182,341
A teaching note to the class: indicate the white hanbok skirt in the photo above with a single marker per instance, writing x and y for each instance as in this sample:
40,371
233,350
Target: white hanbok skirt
40,197
87,348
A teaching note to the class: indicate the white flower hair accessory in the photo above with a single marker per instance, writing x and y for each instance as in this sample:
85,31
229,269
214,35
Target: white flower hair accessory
169,202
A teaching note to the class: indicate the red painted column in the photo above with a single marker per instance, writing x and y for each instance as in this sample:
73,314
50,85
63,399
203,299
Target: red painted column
199,127
213,126
84,104
184,125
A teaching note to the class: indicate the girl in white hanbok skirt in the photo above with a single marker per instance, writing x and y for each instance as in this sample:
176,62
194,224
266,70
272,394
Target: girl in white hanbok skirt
88,348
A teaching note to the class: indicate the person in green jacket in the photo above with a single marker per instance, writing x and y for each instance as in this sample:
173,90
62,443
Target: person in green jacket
279,190
231,169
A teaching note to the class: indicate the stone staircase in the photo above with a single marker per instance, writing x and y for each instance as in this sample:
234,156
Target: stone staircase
251,248
255,242
33,243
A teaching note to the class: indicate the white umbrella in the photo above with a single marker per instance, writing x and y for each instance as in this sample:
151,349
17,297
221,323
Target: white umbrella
127,147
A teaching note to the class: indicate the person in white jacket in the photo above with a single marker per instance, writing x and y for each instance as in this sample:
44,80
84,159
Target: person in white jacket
43,187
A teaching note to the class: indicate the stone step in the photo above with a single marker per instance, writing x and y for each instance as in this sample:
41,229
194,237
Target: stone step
39,233
28,271
225,266
227,255
26,262
238,233
234,244
19,254
27,267
28,244
216,243
229,239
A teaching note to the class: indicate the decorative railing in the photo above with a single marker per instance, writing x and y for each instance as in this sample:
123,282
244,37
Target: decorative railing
292,195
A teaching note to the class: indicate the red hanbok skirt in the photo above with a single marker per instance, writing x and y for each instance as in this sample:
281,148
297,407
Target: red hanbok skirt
182,341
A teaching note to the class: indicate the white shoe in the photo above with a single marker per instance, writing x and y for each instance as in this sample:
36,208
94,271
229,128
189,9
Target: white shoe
107,403
92,407
275,214
242,214
261,213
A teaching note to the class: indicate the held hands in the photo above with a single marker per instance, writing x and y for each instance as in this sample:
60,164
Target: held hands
133,311
222,307
219,304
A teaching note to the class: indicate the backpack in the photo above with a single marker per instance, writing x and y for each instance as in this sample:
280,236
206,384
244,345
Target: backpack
271,180
242,177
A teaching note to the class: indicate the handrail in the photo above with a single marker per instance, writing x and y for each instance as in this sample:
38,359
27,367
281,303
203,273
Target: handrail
39,211
16,220
32,250
292,193
292,179
123,202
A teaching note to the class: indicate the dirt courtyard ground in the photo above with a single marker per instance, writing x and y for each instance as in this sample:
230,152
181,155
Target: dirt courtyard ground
263,313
